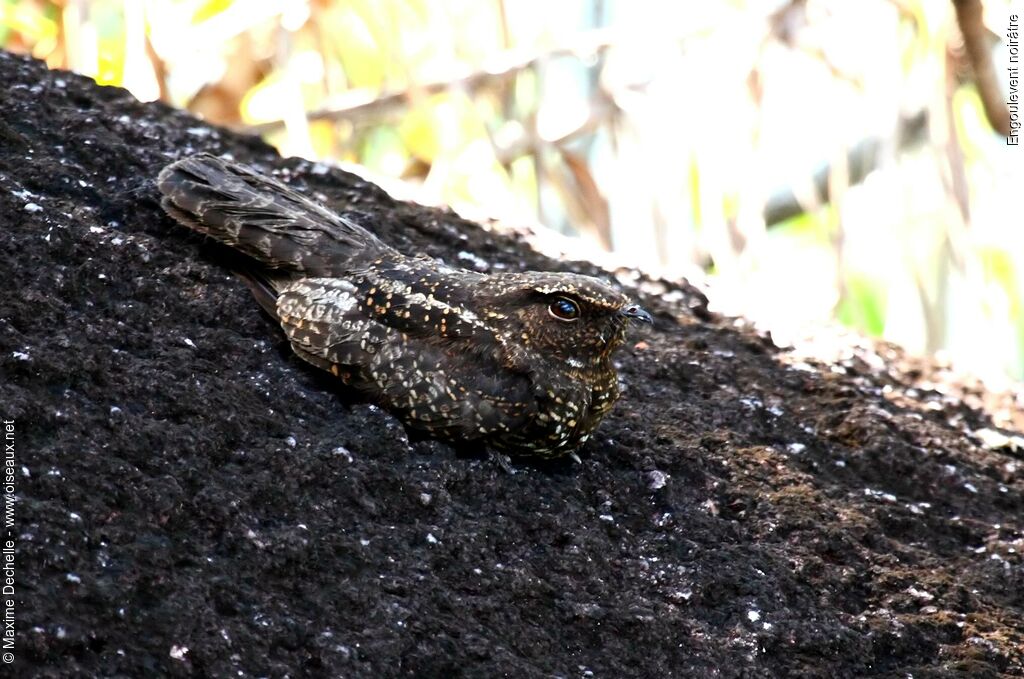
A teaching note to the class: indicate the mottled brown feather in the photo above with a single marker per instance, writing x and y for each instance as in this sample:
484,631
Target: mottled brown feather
460,355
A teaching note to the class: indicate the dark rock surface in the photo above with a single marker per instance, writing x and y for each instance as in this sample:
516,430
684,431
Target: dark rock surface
195,501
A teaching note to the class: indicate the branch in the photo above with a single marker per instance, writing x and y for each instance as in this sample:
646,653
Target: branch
976,43
861,159
370,103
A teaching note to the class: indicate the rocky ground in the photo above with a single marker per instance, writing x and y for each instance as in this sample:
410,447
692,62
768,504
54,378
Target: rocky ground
195,501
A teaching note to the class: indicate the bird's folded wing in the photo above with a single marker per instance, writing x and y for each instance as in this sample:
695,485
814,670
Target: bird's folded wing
261,217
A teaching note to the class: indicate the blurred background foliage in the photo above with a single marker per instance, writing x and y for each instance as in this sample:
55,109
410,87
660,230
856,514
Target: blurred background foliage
803,160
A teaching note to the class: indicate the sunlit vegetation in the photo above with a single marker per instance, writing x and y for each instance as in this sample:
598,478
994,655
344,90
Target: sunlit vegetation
683,137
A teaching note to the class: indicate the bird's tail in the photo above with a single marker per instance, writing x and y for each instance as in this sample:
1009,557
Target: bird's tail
261,217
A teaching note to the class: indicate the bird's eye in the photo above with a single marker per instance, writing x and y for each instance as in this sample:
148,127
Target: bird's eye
564,309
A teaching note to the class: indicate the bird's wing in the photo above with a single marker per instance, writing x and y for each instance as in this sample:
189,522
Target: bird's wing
451,386
261,217
422,298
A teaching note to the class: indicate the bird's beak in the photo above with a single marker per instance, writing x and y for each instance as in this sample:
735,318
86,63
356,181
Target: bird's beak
634,312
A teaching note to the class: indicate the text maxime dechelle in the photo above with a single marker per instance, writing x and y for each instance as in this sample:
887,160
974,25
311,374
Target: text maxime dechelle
7,548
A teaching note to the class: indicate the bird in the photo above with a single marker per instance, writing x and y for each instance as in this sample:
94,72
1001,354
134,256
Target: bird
518,362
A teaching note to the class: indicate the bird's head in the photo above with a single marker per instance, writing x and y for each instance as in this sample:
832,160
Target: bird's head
572,318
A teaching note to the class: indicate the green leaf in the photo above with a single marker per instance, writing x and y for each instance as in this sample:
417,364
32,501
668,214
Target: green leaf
864,304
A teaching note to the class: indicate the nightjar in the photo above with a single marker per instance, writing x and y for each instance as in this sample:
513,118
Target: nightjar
518,361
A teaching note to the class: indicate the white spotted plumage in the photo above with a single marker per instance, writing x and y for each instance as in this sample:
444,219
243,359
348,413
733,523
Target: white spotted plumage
461,355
